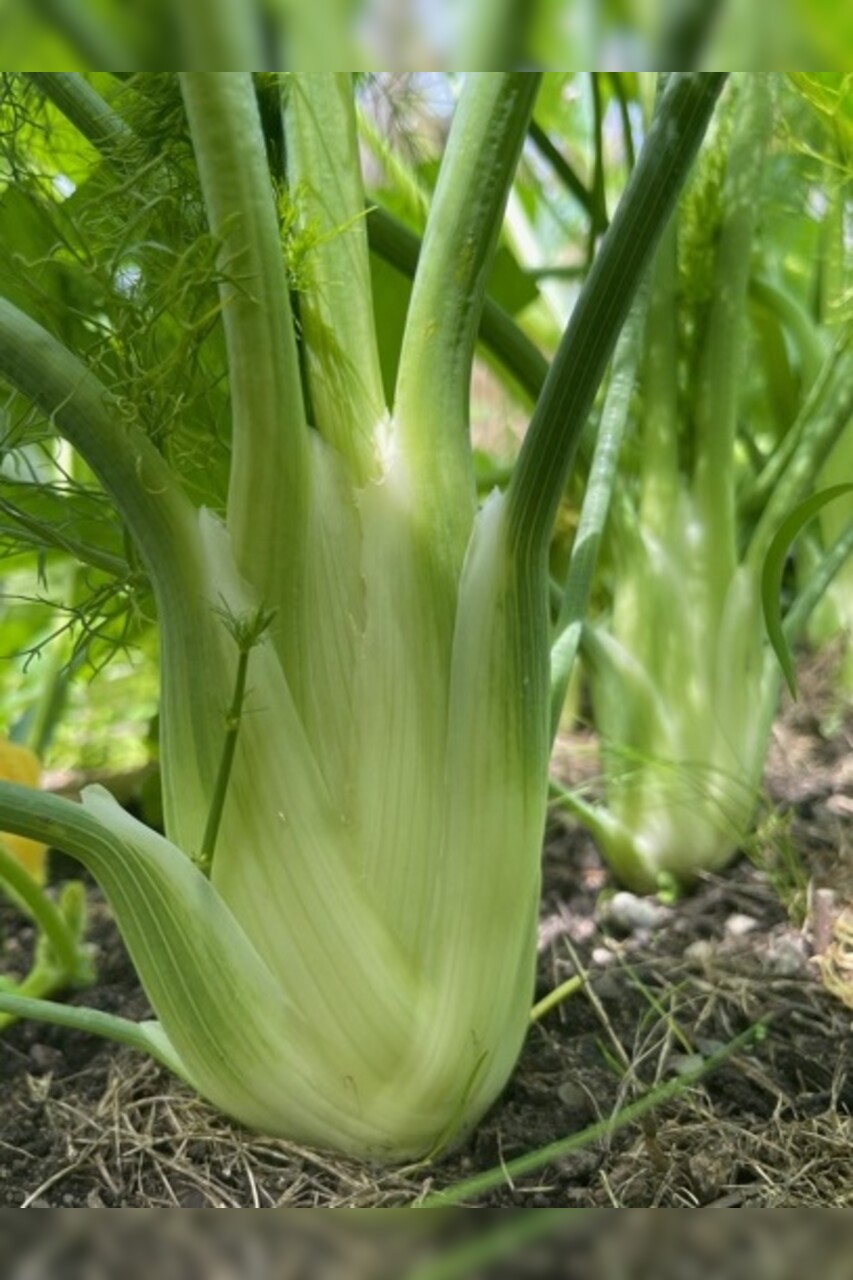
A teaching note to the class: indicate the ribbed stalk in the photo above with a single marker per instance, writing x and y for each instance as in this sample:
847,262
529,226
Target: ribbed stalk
724,339
659,478
270,480
595,510
643,212
84,107
824,418
336,302
433,387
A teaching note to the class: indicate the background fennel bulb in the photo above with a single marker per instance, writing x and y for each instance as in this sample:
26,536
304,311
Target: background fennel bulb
684,680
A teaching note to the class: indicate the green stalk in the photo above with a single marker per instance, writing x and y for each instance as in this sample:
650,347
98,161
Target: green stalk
53,697
336,301
124,460
561,413
659,481
83,107
824,417
433,386
247,631
805,334
226,762
603,827
814,590
71,957
42,534
593,519
509,344
270,477
724,338
142,1036
811,436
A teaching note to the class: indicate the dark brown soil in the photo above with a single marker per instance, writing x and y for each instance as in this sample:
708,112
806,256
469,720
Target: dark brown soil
84,1124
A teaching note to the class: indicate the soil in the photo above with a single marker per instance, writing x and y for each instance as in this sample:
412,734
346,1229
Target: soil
85,1124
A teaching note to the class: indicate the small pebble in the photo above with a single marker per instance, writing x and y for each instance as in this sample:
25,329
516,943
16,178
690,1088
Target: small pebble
575,1100
629,913
739,924
699,954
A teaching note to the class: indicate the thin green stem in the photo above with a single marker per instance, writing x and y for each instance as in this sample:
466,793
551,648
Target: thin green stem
598,222
563,169
643,212
814,421
801,328
53,697
269,480
603,827
792,470
508,1171
596,505
336,304
432,398
624,117
556,997
820,577
226,763
45,913
42,534
135,1035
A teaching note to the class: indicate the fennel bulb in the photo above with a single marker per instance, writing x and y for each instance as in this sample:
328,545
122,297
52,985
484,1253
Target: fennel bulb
337,933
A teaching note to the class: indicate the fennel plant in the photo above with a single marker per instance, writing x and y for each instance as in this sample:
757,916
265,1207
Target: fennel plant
337,931
684,681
